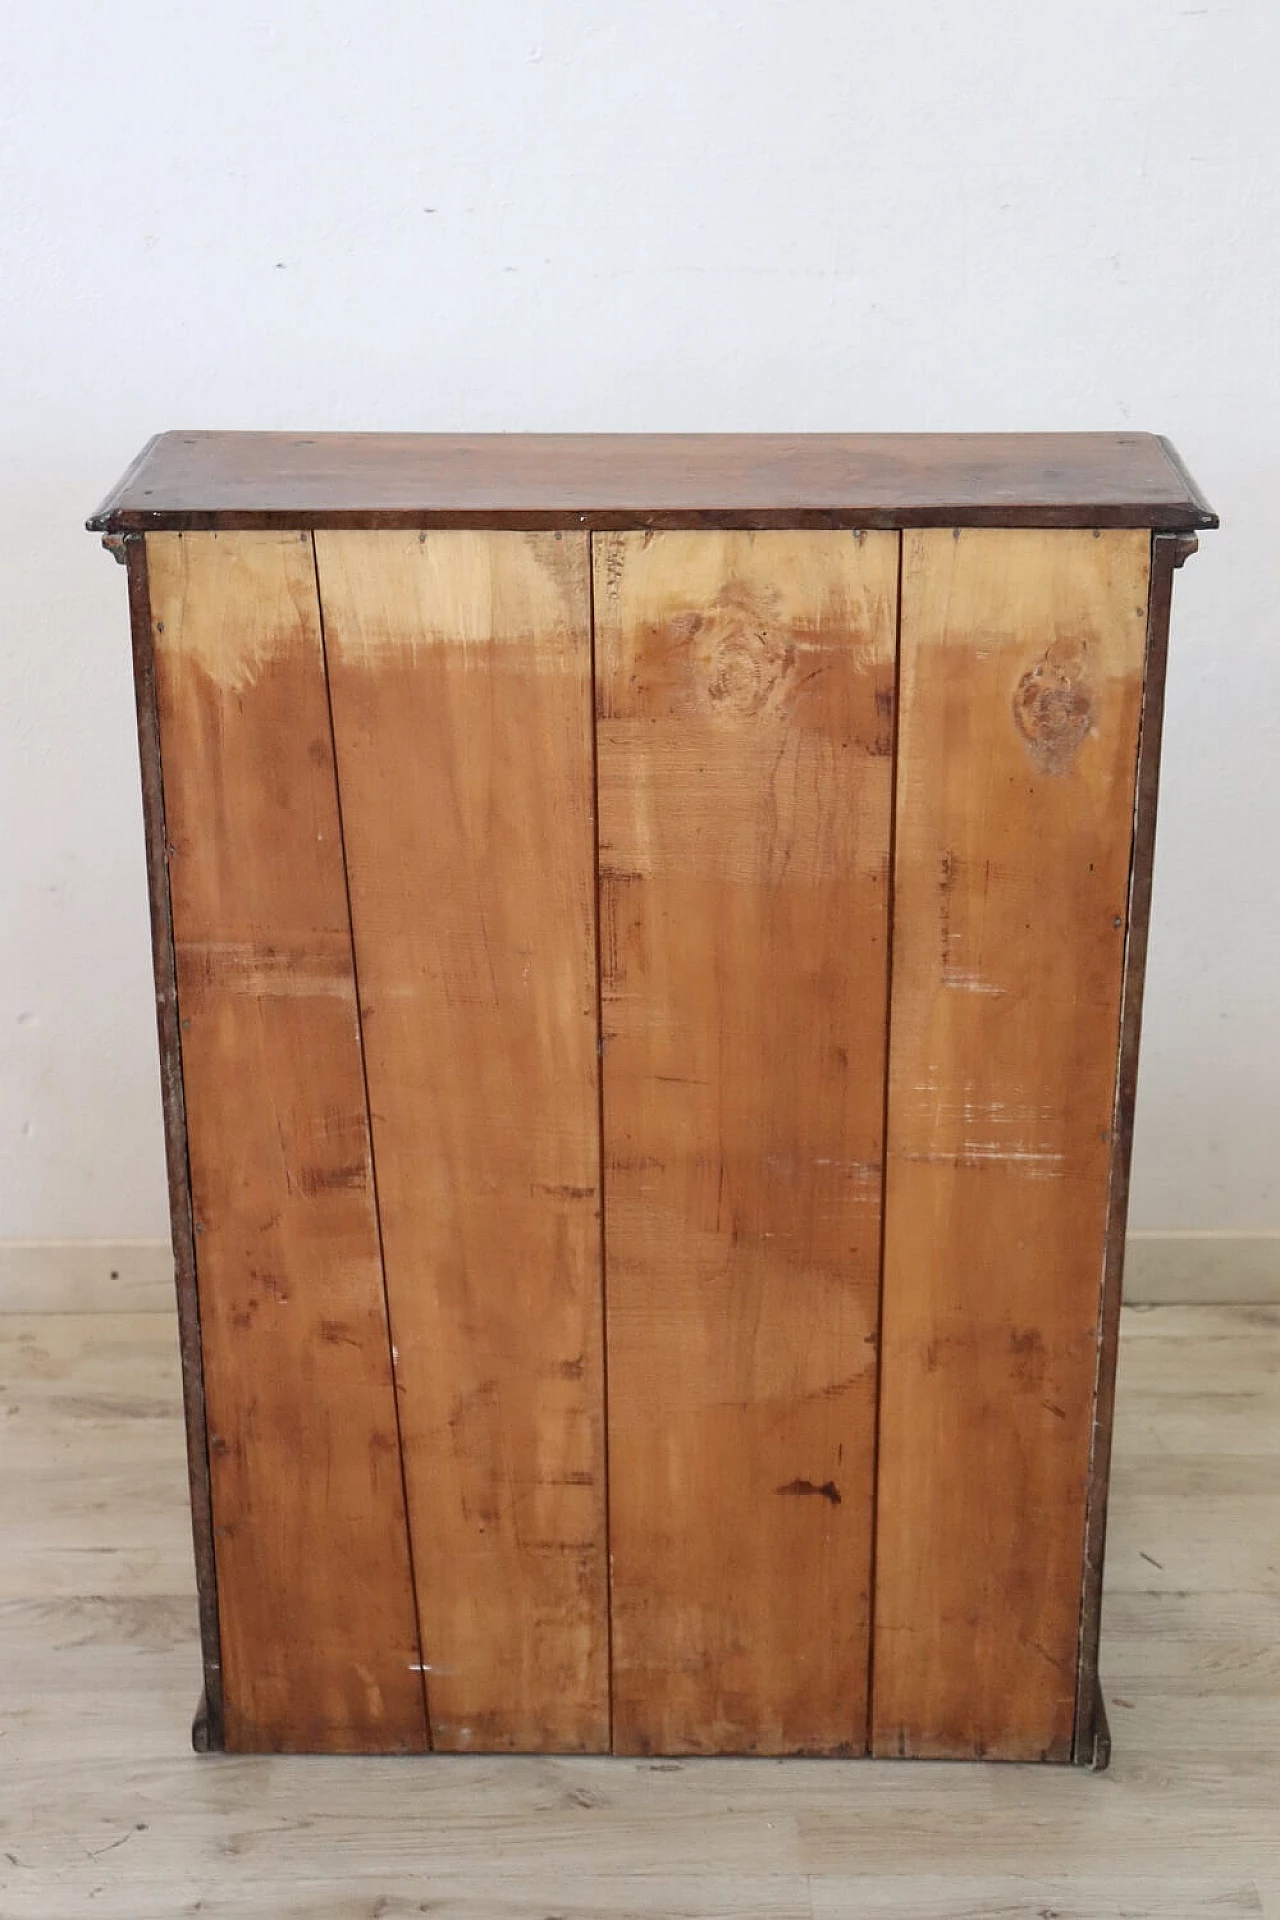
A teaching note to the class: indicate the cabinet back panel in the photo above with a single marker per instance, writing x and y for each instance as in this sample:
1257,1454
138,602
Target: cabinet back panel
319,1639
744,700
460,675
1020,693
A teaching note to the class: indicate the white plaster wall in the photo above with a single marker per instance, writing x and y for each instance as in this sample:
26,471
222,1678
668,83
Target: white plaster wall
790,214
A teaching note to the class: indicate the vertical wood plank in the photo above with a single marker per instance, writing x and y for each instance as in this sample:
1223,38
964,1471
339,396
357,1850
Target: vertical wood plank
460,669
1020,691
745,695
319,1638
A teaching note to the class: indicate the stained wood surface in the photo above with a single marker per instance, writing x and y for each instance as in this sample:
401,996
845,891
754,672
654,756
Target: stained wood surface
103,1811
460,671
1021,676
621,480
745,694
319,1638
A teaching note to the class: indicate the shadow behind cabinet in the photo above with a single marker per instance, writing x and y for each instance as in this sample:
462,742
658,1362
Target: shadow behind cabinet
649,938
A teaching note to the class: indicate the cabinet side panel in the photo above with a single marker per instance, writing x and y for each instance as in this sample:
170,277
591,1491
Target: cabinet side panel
1168,551
460,671
1021,684
206,1733
319,1637
745,719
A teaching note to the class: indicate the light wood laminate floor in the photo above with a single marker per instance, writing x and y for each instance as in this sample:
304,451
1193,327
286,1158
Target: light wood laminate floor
104,1810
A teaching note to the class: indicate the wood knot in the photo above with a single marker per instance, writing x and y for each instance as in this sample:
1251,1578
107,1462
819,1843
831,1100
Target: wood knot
745,654
1053,706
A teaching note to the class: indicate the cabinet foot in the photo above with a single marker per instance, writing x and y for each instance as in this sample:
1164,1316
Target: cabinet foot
1093,1743
206,1734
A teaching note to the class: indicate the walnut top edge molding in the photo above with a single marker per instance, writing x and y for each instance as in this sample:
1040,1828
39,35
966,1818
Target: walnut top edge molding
193,480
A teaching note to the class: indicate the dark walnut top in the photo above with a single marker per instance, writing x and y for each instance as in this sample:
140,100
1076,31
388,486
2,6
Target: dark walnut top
211,480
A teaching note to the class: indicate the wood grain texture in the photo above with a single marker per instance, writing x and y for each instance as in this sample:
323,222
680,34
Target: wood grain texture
460,671
1021,679
319,1638
655,479
745,694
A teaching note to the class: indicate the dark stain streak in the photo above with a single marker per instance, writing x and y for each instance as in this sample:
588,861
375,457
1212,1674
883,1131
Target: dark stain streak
284,1157
1158,1565
946,891
1061,1665
272,1282
621,927
1026,1344
565,1192
828,1490
349,1178
834,1389
338,1334
1049,1407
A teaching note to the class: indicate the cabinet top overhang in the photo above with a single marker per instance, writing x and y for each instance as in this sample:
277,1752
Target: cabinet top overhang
215,480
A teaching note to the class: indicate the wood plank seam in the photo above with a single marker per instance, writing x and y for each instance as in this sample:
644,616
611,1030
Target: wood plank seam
373,1152
884,1157
207,1727
603,1174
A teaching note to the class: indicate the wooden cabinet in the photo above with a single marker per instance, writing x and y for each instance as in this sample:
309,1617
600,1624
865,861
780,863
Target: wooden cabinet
649,939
